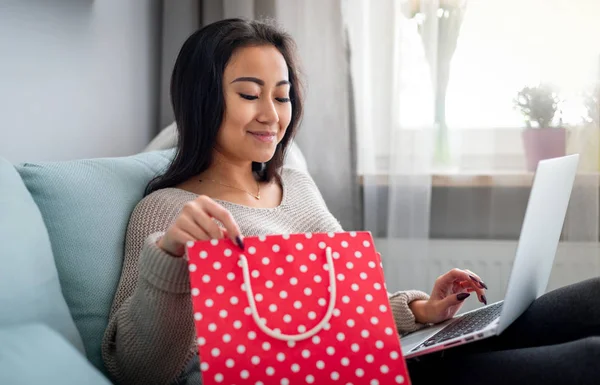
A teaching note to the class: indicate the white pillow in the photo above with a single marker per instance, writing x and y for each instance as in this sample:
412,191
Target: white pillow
167,138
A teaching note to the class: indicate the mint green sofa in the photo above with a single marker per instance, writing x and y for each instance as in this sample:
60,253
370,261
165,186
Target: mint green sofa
62,231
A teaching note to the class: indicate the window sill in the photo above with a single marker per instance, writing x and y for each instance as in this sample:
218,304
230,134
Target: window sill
475,179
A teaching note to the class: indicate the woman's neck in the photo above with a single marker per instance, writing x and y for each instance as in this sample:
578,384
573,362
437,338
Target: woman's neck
235,173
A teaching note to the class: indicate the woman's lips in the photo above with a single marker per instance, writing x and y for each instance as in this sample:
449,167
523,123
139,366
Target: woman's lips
265,137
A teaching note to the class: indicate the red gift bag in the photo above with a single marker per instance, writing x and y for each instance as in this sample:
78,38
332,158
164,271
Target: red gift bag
294,309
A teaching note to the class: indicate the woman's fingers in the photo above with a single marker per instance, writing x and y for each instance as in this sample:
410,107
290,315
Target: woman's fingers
462,276
221,214
206,223
456,275
182,237
451,290
191,227
467,286
197,221
474,277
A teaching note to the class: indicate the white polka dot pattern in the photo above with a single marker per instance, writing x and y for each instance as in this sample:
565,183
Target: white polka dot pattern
289,278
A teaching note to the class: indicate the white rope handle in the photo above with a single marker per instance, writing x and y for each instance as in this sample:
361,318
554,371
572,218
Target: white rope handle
291,337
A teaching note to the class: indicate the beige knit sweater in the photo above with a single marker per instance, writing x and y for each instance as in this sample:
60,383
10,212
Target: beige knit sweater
150,337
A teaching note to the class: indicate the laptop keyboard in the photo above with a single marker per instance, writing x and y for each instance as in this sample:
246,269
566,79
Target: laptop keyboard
466,324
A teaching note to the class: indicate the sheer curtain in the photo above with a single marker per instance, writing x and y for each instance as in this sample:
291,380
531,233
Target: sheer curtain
395,128
441,146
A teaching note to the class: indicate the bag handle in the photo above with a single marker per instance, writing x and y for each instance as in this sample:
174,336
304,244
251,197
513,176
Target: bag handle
291,337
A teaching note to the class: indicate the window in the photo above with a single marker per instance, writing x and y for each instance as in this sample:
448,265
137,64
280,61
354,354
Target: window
505,45
502,46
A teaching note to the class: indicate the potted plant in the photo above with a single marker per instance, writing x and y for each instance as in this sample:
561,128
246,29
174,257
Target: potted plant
544,136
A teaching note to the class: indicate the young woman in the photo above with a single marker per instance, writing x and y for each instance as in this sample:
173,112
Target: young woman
237,98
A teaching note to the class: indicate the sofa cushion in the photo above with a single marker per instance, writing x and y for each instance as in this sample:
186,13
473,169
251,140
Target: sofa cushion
35,354
29,287
86,206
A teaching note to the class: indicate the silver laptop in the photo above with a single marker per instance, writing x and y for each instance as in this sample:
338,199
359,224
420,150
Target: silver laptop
532,265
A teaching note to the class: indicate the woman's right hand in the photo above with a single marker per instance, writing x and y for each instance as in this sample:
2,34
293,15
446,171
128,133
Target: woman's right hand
195,222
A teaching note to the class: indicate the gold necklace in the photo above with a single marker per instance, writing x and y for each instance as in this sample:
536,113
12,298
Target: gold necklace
257,196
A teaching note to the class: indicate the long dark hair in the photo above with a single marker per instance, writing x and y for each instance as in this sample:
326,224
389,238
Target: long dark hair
199,103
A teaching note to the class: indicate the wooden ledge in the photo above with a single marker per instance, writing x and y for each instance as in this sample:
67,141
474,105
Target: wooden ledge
472,180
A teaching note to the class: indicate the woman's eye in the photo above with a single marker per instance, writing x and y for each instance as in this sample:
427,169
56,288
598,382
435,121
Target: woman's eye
283,100
248,97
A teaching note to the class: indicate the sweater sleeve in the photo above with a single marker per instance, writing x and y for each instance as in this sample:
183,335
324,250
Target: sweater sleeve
150,331
403,316
148,338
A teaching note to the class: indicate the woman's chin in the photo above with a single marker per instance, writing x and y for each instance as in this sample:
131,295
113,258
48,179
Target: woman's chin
263,157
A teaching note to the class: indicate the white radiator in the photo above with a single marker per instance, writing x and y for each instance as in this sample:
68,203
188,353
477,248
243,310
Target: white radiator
413,264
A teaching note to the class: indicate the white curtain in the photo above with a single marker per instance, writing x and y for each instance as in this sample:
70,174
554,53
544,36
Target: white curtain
440,145
394,105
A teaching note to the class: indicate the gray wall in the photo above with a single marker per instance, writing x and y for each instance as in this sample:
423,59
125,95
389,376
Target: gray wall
180,19
325,134
78,79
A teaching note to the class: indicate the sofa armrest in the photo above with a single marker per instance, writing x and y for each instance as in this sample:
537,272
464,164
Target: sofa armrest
34,354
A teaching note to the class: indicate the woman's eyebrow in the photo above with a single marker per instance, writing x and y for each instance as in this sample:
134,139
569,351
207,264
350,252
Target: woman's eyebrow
259,81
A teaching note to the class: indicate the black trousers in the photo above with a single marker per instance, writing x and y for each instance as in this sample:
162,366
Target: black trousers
555,341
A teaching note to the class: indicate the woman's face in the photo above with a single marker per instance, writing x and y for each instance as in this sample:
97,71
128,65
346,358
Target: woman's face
257,104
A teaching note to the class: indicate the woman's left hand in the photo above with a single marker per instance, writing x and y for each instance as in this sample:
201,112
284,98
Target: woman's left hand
448,295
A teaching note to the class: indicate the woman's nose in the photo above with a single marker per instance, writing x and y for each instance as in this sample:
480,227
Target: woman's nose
268,113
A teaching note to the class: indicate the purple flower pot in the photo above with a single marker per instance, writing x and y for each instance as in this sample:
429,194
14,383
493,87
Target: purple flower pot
543,143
